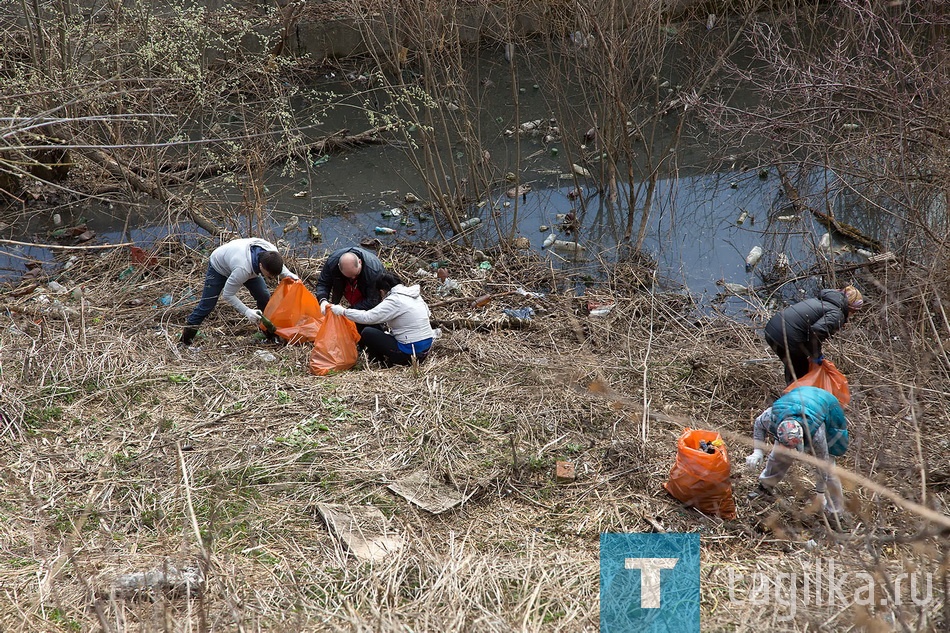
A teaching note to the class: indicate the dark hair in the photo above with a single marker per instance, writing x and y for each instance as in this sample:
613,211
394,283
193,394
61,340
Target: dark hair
272,262
387,281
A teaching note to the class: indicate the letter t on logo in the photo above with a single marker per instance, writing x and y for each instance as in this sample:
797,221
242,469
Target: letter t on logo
649,578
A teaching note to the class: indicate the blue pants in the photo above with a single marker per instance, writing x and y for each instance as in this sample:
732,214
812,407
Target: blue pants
383,348
214,284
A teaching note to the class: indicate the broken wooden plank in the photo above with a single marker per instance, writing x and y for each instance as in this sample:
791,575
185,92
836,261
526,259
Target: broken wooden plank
843,228
422,489
364,530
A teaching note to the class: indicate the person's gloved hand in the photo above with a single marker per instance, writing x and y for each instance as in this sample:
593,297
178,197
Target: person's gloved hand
337,309
818,359
254,316
323,306
754,460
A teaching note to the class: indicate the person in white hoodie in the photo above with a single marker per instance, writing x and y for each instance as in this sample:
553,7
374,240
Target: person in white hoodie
242,262
403,309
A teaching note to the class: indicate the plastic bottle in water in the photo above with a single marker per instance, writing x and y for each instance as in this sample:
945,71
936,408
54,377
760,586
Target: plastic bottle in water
384,230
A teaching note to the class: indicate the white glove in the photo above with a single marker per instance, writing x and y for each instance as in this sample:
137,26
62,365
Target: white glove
254,316
323,306
337,309
754,461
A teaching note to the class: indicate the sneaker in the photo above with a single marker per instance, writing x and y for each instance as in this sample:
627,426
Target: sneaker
763,493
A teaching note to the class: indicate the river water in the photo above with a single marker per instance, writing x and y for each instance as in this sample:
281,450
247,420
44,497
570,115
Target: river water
702,226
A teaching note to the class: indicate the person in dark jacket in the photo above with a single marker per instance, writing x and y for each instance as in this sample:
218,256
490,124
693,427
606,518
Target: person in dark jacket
351,273
796,333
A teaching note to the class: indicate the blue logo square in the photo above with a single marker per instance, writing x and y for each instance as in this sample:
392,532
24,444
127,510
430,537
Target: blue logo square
649,583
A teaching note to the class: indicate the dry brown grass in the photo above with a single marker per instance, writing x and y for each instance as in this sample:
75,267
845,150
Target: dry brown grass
123,453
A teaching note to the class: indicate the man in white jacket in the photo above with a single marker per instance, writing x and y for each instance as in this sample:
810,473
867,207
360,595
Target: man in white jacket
405,312
243,262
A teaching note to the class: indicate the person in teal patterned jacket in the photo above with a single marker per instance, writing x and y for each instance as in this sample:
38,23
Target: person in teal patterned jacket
806,418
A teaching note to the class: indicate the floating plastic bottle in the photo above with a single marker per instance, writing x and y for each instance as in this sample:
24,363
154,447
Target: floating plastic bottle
753,258
568,246
384,230
549,240
469,223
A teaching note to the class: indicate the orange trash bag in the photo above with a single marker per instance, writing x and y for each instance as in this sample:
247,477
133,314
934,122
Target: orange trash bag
700,479
294,311
825,376
334,348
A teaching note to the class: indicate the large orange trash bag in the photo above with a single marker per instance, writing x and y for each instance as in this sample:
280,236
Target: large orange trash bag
825,376
700,479
334,348
294,311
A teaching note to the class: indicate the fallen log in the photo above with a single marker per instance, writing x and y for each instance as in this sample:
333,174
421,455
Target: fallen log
843,228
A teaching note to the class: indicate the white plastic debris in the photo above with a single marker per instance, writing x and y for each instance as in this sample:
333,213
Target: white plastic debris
753,258
265,356
56,288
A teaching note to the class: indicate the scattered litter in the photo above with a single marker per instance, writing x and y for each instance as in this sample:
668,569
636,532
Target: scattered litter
301,194
57,219
522,314
742,217
411,198
384,230
521,243
469,223
581,171
549,240
520,190
164,301
753,258
265,356
736,289
70,262
56,288
392,213
422,489
449,286
362,529
543,228
568,246
599,309
314,233
167,579
825,241
787,218
524,293
485,266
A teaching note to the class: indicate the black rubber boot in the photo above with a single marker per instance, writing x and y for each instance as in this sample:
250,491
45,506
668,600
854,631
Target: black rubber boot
188,335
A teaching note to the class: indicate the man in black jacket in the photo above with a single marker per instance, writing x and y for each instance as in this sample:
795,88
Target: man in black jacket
351,273
796,333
